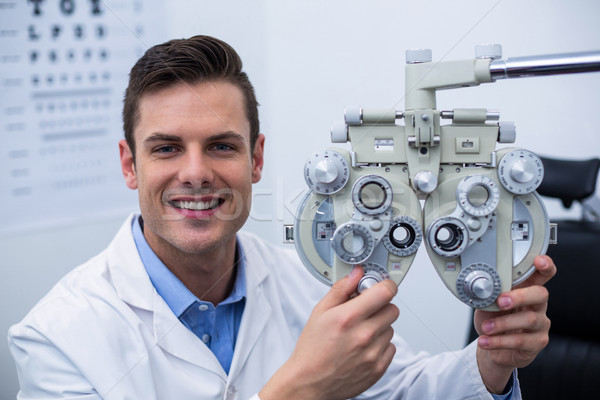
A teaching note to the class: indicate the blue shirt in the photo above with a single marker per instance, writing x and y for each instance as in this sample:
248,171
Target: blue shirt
216,326
511,384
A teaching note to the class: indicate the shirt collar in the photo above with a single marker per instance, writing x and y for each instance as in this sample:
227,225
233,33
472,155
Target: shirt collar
177,296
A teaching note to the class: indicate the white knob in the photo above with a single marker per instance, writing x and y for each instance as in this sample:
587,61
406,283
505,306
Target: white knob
417,56
353,115
474,224
376,225
425,181
493,51
479,284
339,132
507,132
370,279
326,171
482,288
522,171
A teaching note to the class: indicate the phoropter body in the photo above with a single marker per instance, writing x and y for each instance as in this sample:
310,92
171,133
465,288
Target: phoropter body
445,185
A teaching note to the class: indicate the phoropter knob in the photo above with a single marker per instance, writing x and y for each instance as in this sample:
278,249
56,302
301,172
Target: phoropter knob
507,132
353,115
368,280
374,273
417,56
326,172
520,171
425,182
339,132
491,51
479,285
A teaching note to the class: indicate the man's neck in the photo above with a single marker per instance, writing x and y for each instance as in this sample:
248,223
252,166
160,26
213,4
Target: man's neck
209,275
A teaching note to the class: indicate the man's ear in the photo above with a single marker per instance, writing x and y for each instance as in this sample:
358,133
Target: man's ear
258,158
127,165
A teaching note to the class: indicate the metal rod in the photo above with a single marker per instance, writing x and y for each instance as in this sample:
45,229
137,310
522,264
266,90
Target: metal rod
569,63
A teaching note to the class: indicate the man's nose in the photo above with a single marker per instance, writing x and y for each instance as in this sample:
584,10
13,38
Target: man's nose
195,170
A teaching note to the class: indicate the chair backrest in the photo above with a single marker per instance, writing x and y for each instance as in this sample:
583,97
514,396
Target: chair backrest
569,180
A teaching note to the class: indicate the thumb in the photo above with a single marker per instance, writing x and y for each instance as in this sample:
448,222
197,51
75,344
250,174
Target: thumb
341,291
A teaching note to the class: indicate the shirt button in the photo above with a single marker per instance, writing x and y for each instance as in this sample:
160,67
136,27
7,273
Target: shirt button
205,338
203,307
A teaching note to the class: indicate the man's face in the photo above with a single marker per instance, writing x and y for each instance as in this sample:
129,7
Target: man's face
194,167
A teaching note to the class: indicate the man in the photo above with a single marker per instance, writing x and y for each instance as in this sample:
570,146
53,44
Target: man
182,305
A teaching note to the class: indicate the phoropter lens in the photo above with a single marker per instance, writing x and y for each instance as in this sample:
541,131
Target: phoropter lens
449,237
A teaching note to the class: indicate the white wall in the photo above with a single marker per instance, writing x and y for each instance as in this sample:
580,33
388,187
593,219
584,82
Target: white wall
308,59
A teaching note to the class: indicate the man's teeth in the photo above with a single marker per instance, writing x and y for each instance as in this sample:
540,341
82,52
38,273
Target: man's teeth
197,205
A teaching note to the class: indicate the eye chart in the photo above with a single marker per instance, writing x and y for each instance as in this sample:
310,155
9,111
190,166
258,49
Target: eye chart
64,66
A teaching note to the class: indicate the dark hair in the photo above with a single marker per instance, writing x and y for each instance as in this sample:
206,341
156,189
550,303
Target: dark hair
197,59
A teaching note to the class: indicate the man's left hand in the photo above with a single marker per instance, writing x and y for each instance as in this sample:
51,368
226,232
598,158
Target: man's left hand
513,337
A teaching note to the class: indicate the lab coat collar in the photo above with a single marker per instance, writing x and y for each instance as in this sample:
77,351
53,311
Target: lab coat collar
133,285
129,276
257,311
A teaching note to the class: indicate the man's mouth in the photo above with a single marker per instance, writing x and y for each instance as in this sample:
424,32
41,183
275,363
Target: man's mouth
197,205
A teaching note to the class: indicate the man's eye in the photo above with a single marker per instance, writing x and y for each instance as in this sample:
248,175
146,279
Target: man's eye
222,147
164,149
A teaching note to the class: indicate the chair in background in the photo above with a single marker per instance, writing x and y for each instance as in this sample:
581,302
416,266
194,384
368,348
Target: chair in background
569,367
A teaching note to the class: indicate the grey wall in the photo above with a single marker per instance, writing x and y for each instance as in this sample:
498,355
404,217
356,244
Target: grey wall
308,59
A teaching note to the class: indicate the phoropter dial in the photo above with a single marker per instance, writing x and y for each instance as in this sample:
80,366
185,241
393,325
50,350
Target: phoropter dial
352,242
478,285
520,171
478,195
374,273
326,172
403,237
372,194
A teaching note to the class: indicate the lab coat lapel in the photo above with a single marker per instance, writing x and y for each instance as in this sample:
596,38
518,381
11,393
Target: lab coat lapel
133,285
175,338
257,311
129,277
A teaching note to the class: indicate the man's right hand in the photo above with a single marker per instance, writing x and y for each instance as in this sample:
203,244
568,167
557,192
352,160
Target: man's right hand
345,346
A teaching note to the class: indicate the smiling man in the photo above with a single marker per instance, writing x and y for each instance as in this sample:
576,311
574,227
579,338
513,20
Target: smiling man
183,305
194,170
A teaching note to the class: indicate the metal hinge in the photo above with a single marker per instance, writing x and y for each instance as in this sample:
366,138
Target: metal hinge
553,233
288,233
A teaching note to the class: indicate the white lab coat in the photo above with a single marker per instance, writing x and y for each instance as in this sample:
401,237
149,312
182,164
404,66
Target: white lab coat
104,332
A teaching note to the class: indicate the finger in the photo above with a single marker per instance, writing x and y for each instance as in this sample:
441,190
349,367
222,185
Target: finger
379,344
522,341
535,296
341,291
373,299
544,271
524,320
384,357
387,356
383,319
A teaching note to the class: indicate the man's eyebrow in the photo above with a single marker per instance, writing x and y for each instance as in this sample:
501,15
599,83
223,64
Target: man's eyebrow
161,137
227,135
165,137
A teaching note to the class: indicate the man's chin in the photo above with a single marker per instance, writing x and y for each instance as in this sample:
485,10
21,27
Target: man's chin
201,245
